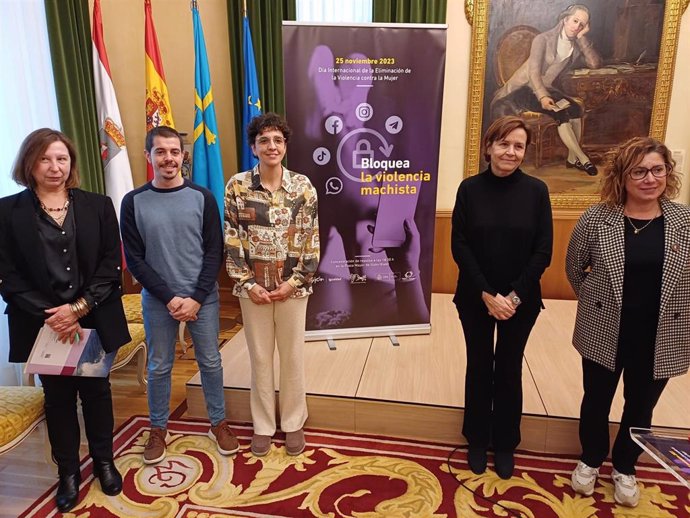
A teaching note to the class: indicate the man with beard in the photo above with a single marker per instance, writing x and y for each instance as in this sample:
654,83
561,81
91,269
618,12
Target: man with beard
174,248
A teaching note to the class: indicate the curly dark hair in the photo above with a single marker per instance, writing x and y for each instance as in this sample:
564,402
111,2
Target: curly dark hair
267,121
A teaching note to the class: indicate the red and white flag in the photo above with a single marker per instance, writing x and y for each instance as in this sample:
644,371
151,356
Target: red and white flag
118,173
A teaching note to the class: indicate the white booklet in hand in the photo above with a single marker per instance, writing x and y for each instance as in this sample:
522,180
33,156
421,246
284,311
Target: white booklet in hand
83,358
561,104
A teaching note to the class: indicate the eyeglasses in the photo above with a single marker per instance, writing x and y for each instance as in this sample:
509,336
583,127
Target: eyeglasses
640,173
277,141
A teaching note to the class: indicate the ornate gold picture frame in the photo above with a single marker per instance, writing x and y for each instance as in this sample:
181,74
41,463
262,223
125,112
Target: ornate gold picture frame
628,94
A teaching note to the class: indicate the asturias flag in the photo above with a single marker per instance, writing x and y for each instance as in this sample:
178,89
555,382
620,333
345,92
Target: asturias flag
158,110
251,107
207,166
118,173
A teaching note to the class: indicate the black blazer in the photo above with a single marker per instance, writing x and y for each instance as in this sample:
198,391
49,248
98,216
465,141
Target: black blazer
23,267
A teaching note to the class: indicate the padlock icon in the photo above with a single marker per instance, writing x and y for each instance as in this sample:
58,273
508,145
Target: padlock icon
362,150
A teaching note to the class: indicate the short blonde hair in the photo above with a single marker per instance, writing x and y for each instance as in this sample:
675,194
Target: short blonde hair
621,160
30,152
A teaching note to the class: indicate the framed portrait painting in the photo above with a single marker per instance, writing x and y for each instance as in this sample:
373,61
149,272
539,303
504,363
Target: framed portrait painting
586,77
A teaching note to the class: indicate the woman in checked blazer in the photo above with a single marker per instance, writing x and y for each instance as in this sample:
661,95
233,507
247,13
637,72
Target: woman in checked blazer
629,263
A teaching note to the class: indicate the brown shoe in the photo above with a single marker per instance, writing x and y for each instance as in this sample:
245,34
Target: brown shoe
226,442
154,451
261,445
294,442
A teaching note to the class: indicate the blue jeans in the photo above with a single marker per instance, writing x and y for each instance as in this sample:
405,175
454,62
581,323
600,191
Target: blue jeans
161,336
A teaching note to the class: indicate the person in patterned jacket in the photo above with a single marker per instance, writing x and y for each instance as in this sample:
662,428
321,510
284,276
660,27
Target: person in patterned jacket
272,244
627,262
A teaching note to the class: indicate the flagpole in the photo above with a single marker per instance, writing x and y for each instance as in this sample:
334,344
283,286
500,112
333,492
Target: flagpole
251,104
244,8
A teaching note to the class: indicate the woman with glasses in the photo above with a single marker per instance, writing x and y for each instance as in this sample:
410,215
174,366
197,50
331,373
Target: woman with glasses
272,241
627,262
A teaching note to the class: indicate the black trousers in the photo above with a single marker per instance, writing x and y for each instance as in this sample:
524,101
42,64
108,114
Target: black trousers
641,393
63,425
493,382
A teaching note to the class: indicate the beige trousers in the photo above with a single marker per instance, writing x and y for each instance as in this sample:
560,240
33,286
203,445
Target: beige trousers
266,325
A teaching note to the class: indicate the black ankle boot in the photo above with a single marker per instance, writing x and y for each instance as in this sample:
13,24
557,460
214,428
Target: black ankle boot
109,477
476,458
504,462
67,492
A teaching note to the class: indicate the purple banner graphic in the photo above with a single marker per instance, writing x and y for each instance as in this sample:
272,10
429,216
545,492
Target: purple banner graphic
364,103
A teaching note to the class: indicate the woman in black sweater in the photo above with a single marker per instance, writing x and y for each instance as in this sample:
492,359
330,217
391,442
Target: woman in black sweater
502,238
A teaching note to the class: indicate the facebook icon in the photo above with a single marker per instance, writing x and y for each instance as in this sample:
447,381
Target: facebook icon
333,125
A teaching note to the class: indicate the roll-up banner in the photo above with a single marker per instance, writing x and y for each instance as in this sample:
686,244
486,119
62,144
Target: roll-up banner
364,103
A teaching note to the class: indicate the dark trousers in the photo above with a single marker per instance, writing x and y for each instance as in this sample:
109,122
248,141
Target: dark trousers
63,425
493,382
641,393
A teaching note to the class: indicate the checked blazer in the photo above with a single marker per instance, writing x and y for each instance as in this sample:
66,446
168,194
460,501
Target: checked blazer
595,264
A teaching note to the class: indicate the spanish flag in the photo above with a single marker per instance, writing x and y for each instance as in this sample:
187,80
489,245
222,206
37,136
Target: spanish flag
158,110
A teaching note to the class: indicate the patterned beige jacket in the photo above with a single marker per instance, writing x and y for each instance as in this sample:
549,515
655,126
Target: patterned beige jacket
271,237
598,243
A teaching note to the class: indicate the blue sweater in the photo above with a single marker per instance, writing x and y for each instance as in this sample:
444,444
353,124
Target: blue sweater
173,242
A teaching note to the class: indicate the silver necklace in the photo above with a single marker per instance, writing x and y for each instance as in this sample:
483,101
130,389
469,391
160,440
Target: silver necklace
638,230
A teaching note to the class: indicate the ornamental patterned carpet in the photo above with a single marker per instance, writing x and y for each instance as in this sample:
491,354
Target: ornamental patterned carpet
344,475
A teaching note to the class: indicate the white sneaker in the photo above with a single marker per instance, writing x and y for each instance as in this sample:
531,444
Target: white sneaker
627,492
583,479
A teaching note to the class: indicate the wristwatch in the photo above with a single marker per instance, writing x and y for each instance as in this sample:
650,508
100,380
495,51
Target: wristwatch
515,300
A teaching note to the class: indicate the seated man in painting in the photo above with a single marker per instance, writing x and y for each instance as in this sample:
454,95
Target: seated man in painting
532,86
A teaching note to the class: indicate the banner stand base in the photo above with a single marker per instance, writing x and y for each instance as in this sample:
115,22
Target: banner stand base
391,332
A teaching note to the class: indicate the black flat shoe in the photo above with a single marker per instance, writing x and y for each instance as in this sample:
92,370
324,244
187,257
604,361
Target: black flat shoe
476,458
587,167
108,476
590,168
504,462
67,492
